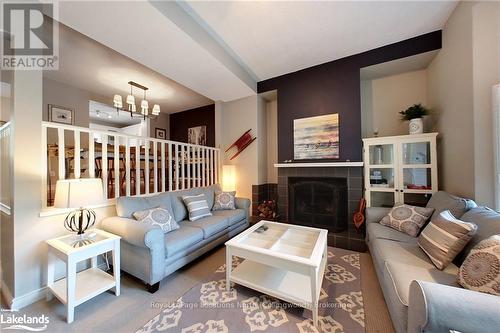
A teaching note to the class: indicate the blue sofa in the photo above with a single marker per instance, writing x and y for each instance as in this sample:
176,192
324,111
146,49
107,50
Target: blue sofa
149,254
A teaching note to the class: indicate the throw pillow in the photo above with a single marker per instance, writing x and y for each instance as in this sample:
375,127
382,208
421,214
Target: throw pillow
443,238
197,206
481,269
224,200
407,219
157,216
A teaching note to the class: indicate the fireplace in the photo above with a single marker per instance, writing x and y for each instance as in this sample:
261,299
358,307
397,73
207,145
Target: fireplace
319,202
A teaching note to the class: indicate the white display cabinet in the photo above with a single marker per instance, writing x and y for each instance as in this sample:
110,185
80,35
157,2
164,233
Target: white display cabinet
400,169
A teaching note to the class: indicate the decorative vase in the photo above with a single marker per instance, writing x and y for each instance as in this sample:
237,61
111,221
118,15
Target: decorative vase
416,126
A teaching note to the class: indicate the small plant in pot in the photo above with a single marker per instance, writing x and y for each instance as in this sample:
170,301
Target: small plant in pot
414,114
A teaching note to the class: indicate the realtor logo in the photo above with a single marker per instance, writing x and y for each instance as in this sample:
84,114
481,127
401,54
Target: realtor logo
31,36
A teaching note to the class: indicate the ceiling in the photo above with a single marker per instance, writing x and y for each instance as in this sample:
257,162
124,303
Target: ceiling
394,67
221,49
274,38
91,66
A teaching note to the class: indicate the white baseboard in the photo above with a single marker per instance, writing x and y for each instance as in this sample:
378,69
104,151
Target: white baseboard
20,302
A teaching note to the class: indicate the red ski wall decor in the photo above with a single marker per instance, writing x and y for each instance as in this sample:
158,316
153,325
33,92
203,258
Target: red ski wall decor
244,141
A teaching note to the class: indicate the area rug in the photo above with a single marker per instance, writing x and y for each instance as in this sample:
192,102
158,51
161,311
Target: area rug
209,308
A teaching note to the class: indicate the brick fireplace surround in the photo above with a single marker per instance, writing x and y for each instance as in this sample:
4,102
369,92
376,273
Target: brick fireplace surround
348,239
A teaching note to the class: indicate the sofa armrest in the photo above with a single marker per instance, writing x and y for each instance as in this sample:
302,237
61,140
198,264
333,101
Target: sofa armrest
375,214
439,308
243,203
133,232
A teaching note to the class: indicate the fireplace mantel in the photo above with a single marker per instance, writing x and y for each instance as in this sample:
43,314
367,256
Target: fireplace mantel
319,165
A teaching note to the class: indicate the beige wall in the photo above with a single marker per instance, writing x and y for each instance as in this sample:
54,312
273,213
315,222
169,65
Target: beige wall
383,98
272,140
237,117
486,73
460,80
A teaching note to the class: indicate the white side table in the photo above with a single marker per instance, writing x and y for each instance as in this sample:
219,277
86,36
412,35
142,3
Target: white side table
77,288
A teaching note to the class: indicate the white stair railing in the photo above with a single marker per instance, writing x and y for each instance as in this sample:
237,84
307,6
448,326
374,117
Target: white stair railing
127,164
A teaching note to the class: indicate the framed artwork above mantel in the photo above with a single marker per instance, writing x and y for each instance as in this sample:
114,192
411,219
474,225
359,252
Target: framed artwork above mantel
316,137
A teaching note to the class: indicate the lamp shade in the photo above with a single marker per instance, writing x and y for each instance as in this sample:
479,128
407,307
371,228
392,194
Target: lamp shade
229,178
130,99
156,109
117,101
78,193
144,104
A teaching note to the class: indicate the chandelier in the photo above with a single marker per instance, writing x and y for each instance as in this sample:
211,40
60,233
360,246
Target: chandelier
131,107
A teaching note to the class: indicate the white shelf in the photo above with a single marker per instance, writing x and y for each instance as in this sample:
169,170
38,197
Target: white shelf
319,165
89,283
286,285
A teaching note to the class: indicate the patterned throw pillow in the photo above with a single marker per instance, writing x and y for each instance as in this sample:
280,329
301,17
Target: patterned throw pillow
224,200
157,216
443,238
481,269
197,206
407,219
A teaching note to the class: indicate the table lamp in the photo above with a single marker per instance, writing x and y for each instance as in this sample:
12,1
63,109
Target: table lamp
78,194
229,178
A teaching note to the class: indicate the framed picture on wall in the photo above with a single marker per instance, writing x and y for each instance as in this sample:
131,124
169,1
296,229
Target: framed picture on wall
60,114
316,137
161,133
197,135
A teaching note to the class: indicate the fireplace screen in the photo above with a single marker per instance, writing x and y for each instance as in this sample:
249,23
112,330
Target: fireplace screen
318,202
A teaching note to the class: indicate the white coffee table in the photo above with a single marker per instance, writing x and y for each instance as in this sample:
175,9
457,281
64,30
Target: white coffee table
285,261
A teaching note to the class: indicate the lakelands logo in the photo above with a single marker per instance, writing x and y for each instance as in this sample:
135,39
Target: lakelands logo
31,36
11,320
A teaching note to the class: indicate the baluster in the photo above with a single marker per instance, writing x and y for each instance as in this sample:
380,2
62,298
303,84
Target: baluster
91,155
170,167
177,167
197,161
155,171
76,155
188,162
61,153
183,178
203,166
217,166
211,166
138,167
146,167
116,160
127,166
163,180
104,165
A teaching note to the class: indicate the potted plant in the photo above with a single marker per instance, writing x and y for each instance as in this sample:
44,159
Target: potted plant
414,114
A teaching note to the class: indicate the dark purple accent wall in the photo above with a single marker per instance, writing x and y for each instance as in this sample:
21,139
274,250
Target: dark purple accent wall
334,87
202,116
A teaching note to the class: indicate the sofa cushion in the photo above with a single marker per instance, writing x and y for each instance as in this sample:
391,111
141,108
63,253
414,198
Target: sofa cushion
210,225
442,201
406,218
376,230
481,269
182,238
234,216
444,238
488,224
127,206
401,275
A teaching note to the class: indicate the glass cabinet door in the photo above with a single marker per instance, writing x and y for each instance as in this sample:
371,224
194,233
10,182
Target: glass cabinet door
416,179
